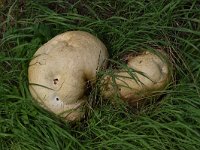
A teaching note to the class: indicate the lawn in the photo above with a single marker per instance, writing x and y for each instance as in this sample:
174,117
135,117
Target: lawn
173,122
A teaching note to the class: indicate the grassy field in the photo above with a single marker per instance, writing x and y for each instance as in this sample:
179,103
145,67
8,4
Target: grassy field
123,25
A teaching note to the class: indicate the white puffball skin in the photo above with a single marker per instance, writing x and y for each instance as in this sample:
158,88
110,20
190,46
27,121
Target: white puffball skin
151,73
60,69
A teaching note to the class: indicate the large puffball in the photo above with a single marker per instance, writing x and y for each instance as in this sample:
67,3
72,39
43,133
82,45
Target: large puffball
60,69
145,74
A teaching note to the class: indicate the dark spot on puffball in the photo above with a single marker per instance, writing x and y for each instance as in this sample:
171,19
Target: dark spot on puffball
55,81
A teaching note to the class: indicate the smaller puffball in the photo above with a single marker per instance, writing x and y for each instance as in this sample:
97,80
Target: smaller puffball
146,74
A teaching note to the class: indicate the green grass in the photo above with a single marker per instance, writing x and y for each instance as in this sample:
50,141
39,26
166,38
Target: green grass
123,25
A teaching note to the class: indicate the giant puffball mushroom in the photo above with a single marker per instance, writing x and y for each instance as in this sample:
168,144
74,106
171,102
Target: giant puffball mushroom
147,74
60,69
